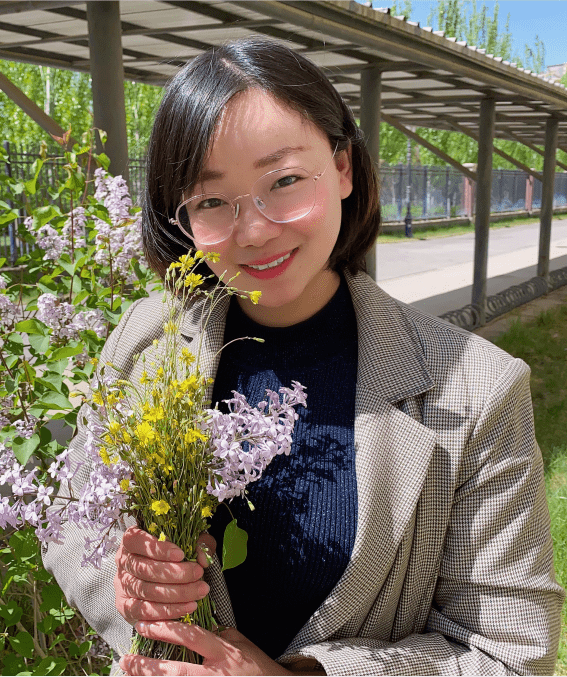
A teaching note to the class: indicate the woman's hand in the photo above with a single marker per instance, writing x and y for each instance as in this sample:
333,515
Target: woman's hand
152,582
228,653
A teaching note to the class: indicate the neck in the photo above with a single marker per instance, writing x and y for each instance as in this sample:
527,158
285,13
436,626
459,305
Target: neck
314,297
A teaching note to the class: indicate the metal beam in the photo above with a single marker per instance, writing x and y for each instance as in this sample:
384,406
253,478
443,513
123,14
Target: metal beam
30,108
547,191
370,90
107,73
483,200
412,135
531,146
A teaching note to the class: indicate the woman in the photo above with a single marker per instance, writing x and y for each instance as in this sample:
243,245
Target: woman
408,532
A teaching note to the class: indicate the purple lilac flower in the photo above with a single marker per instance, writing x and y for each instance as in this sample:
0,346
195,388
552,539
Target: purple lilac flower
65,320
247,439
25,428
3,282
8,311
6,403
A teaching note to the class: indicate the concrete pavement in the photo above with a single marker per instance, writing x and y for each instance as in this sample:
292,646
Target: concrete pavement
435,275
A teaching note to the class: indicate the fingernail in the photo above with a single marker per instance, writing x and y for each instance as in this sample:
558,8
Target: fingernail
204,589
123,663
142,627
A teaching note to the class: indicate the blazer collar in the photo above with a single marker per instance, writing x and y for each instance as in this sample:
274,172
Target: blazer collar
391,359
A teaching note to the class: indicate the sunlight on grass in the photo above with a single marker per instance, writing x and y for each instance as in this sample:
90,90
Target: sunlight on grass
542,343
449,231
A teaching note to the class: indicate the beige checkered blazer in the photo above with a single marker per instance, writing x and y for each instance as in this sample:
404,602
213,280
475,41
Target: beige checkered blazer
451,571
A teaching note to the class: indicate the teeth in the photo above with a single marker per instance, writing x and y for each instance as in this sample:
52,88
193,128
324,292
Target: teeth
273,264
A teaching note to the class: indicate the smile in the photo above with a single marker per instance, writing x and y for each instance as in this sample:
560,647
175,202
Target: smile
272,264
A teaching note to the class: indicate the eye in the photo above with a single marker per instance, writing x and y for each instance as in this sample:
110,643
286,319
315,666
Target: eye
286,181
210,203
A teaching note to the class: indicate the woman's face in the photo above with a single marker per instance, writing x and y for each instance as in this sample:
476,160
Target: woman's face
258,134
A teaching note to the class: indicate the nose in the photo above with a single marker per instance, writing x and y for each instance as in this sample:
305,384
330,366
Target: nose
251,227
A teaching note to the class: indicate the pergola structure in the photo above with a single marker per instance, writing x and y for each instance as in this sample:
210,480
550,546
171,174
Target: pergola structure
385,67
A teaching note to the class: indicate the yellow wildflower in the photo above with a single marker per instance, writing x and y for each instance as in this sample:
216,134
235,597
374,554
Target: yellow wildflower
187,357
153,528
170,327
160,507
126,437
155,343
104,455
124,485
159,374
97,398
199,254
206,512
114,427
193,435
161,537
187,619
113,399
145,433
154,414
144,377
255,296
214,257
94,361
193,280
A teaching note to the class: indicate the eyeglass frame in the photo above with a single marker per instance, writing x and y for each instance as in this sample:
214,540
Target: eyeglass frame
236,210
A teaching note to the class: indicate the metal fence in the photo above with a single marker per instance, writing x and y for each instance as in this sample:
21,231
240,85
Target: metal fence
431,192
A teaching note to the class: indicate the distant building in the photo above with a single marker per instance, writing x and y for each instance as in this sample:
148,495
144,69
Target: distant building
556,72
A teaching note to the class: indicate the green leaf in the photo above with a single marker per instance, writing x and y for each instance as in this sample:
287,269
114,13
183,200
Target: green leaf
104,160
233,546
24,544
51,666
53,400
6,218
29,372
52,598
31,327
54,382
13,664
23,449
43,215
22,644
47,624
66,351
11,612
80,297
39,343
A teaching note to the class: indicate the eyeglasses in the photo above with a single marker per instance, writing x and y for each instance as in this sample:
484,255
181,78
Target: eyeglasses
282,195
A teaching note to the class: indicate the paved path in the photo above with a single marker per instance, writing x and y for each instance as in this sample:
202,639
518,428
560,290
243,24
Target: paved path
436,275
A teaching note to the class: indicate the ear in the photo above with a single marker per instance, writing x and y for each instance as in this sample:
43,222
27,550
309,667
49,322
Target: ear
343,162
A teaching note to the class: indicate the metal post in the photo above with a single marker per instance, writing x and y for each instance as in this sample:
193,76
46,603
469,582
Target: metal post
11,225
370,93
547,191
107,72
407,220
483,199
425,191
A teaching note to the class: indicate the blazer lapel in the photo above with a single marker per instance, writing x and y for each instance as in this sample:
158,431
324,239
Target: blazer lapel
393,451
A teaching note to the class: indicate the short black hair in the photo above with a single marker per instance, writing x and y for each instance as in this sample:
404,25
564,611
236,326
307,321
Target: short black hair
187,119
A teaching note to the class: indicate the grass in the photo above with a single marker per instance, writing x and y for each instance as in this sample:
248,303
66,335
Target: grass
542,343
449,231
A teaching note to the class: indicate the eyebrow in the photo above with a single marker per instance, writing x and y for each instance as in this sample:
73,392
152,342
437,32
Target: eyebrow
266,161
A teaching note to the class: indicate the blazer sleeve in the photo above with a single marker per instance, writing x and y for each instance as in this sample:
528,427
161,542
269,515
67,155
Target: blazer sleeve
88,589
496,607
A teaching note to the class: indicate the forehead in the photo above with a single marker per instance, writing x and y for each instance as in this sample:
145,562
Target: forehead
255,124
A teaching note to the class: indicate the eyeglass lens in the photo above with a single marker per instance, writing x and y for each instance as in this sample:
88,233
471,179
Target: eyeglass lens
283,195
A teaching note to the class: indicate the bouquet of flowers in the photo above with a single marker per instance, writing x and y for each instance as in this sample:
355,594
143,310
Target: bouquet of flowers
159,452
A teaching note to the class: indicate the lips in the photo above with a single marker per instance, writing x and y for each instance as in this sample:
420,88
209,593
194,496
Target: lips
270,267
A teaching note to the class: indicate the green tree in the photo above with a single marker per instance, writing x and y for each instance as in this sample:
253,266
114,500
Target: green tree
66,96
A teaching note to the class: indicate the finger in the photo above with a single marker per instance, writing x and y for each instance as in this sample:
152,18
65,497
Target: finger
140,665
135,610
159,592
197,639
160,572
139,542
210,546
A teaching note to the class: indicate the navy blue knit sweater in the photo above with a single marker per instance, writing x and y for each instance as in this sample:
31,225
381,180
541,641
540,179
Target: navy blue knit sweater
302,532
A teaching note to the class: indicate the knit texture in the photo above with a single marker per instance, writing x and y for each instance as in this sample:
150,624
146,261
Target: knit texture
302,532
